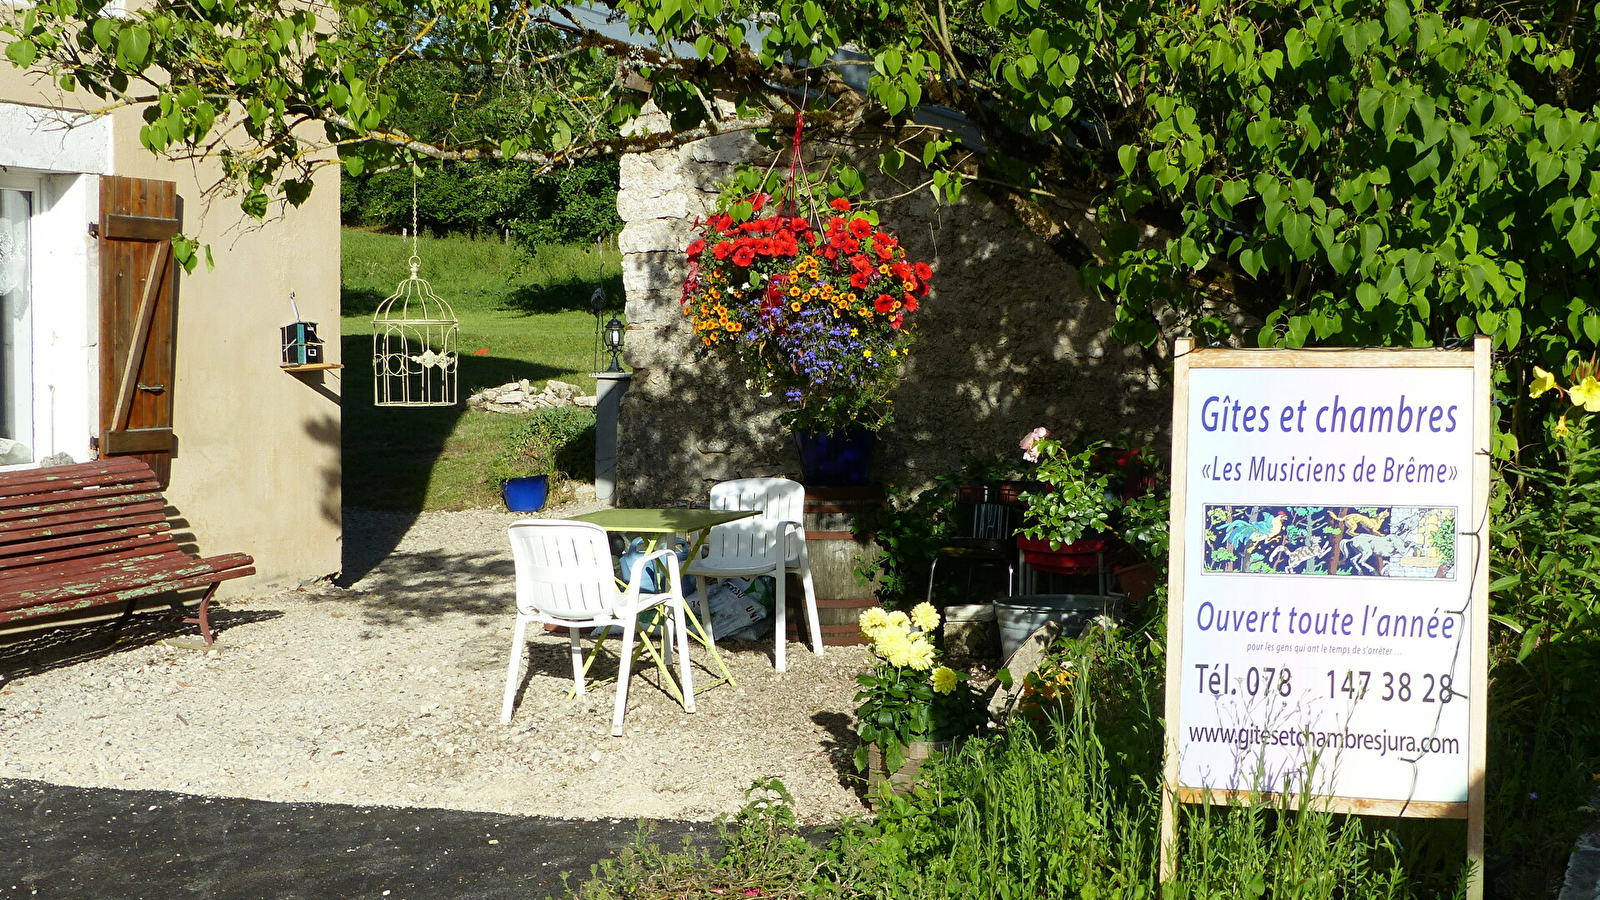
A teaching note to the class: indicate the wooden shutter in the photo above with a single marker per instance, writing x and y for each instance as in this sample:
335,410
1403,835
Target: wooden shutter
138,319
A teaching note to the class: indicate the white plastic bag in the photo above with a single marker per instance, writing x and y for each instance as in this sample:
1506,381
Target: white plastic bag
741,608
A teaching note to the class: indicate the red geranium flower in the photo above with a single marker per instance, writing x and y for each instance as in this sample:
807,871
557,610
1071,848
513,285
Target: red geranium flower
860,280
722,249
695,248
884,303
860,227
851,245
923,270
744,256
911,303
861,264
840,203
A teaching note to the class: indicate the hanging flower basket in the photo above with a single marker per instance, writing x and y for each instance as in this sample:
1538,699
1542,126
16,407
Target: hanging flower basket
816,312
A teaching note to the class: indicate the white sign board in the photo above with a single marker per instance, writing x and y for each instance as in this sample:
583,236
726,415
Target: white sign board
1329,578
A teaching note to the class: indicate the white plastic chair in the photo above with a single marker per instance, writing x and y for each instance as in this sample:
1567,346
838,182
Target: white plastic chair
564,578
772,543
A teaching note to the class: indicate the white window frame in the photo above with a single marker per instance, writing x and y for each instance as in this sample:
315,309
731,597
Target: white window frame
64,302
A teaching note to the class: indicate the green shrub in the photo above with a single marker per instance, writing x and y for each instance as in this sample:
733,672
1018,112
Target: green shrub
558,441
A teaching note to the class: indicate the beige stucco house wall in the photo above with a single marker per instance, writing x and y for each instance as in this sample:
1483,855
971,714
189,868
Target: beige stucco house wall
257,465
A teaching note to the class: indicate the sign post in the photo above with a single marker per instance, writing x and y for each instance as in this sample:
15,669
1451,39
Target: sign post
1328,619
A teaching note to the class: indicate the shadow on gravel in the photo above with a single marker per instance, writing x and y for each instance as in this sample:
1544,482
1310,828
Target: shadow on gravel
553,659
841,748
99,844
429,585
37,652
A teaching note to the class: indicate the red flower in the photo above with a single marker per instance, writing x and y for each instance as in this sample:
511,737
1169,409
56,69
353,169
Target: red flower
759,200
744,256
481,351
861,264
896,322
901,271
860,227
911,303
851,245
835,224
884,303
923,270
764,246
722,250
840,203
696,248
860,280
885,251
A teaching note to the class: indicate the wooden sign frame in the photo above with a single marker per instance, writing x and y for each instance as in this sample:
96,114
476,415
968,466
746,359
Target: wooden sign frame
1186,358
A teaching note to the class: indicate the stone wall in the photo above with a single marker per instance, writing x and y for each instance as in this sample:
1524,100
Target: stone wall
1007,340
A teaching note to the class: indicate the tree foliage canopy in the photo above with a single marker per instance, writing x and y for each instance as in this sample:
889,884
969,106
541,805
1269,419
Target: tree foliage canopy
1336,171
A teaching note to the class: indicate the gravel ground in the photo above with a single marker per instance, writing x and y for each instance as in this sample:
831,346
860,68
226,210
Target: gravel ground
386,691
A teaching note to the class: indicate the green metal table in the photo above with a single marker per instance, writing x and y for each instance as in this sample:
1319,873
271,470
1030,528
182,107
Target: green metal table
652,524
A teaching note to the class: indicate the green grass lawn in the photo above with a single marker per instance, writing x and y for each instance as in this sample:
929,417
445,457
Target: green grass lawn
529,312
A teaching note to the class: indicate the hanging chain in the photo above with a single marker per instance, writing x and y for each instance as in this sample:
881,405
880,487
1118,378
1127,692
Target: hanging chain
415,261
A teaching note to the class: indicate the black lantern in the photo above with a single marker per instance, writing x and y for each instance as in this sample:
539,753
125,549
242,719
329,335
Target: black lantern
613,341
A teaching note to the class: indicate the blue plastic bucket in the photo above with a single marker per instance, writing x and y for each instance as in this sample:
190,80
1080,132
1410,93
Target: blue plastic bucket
526,494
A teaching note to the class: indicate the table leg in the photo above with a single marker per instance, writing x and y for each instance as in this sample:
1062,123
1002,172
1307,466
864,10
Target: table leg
697,630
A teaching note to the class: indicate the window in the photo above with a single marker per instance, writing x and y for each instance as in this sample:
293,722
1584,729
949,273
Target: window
17,440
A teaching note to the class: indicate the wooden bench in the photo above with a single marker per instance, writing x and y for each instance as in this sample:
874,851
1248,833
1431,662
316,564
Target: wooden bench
96,534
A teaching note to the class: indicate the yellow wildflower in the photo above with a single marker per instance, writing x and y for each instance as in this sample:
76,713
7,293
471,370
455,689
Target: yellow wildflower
919,654
924,616
866,354
795,306
1542,381
1561,429
794,292
944,679
1586,394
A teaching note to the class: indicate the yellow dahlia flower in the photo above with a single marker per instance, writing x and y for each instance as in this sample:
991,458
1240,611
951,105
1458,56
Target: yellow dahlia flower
924,616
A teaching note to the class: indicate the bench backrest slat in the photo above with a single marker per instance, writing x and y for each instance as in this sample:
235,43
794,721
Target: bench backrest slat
24,485
90,531
33,553
78,520
84,502
16,553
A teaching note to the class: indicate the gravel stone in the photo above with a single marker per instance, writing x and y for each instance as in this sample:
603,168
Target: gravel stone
384,688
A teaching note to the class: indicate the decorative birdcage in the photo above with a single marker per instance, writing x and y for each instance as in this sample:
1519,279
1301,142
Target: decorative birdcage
414,359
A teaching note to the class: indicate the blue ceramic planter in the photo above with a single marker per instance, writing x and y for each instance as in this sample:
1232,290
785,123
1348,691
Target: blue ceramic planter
842,459
527,494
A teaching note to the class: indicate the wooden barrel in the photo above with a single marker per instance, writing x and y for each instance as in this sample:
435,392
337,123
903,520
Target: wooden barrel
836,553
